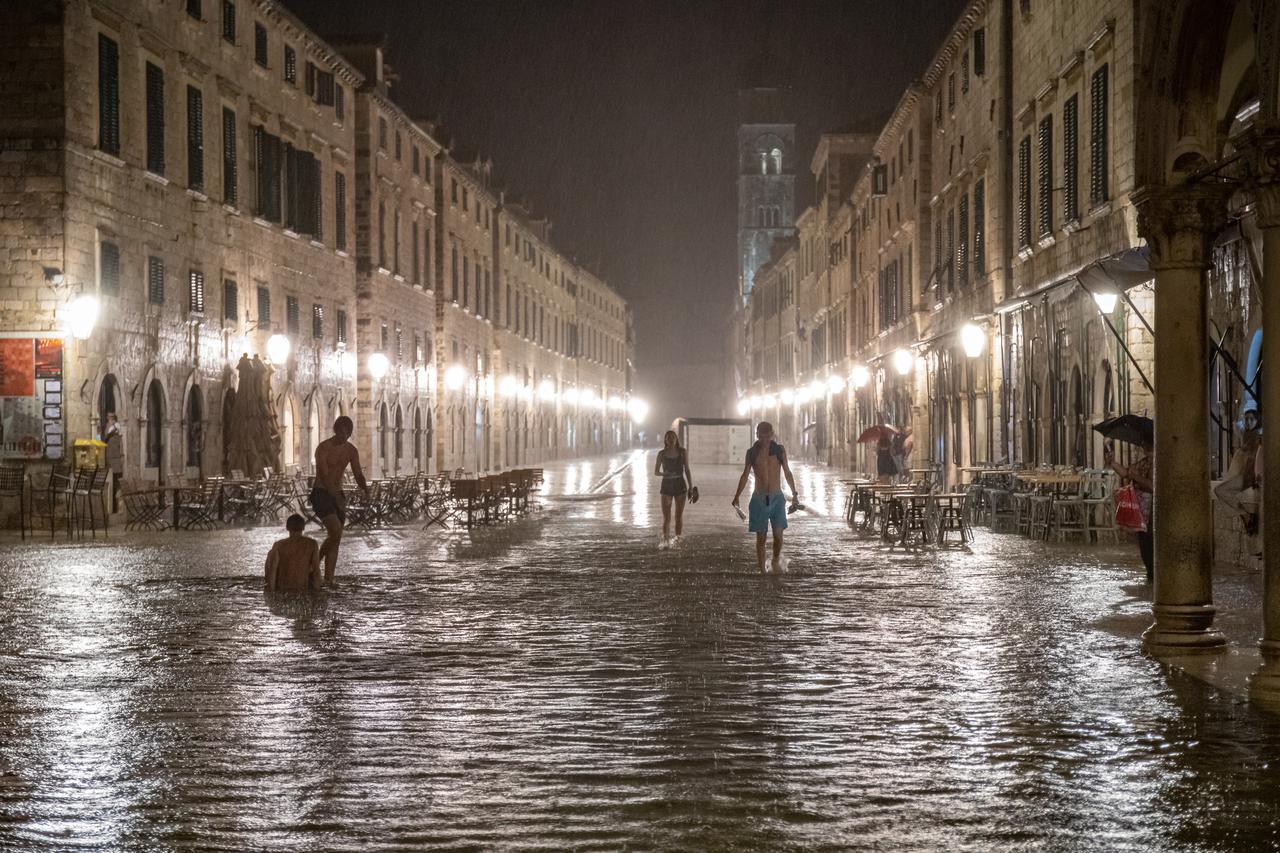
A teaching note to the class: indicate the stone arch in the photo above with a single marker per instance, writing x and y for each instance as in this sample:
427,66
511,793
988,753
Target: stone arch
289,428
154,417
193,427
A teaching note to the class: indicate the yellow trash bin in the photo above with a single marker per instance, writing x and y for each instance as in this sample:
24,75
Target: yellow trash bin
90,453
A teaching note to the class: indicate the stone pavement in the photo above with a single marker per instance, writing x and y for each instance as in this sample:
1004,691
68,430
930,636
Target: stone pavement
559,683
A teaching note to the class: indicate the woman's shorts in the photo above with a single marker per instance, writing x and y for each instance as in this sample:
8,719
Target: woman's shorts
671,487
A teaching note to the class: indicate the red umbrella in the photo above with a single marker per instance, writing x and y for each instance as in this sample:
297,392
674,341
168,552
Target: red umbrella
875,433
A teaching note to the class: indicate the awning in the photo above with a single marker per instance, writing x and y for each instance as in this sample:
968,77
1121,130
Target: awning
1120,271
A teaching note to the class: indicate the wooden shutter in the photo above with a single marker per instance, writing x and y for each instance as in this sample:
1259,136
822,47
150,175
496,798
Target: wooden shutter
109,268
195,292
317,322
1098,137
155,120
230,167
980,228
155,280
229,21
1071,159
1045,176
108,96
1024,192
962,247
340,211
264,307
195,138
260,44
291,314
979,52
230,300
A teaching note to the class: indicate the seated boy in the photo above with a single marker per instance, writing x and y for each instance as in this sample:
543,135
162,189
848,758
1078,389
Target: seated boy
293,564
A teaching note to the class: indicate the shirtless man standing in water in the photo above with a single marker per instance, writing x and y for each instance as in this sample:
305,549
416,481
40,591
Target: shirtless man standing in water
333,455
767,460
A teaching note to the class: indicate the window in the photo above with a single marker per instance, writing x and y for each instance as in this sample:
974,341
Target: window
291,317
155,280
951,250
426,256
1098,137
1045,176
155,120
911,146
453,290
302,192
228,22
195,292
264,308
324,89
937,107
454,191
260,44
417,161
980,228
384,339
108,96
382,133
1071,159
962,248
413,232
951,92
317,322
979,52
193,9
108,268
342,328
1024,192
291,67
382,234
230,301
466,282
340,211
155,425
339,103
397,146
230,168
195,138
395,243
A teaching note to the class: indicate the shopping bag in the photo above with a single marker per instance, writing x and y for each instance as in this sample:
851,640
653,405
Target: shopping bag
1129,510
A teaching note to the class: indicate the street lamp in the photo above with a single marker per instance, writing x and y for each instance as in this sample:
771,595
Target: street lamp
638,409
1106,301
769,401
570,396
455,377
902,362
835,384
508,387
82,316
546,389
788,396
379,364
973,339
744,407
860,376
278,348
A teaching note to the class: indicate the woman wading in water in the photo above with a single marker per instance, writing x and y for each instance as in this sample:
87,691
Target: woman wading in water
672,466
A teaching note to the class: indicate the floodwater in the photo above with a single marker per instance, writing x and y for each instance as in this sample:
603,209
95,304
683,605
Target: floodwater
558,683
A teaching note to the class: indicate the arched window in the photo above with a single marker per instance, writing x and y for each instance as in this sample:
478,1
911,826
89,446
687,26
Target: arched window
417,438
155,425
399,438
195,426
764,163
775,156
385,444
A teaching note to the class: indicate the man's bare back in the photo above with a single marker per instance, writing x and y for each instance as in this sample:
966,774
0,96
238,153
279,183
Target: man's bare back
293,565
766,466
333,455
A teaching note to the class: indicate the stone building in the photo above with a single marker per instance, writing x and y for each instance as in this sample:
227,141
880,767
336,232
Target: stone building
185,164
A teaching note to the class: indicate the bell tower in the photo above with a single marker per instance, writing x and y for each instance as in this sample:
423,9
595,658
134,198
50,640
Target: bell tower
766,179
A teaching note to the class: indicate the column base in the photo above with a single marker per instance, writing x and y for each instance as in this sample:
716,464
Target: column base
1183,629
1264,684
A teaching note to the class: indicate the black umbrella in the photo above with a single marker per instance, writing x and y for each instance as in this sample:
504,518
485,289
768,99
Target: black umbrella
1132,429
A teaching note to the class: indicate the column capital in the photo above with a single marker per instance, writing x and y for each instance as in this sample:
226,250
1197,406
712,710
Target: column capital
1180,223
1262,150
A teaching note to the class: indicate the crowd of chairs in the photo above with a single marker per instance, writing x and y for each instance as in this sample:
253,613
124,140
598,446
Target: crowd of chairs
58,497
917,513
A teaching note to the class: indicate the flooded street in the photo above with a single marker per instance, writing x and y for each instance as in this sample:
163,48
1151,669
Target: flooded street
559,683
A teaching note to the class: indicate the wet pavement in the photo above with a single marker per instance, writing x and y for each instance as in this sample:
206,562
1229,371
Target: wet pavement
559,683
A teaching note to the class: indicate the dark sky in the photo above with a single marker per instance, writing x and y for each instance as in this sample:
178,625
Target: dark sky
617,119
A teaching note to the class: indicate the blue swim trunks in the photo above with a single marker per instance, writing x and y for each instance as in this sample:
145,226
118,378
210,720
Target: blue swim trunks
766,509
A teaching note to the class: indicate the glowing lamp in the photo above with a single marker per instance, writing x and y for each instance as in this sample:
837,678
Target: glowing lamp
546,389
835,384
349,364
902,362
82,316
455,377
1106,301
278,349
616,404
744,406
638,409
570,396
803,395
787,396
769,401
973,339
508,387
860,376
379,364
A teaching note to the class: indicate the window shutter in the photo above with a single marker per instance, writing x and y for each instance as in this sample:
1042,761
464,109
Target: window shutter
310,84
980,228
979,52
339,103
260,44
264,308
291,67
1024,192
230,167
315,195
155,120
229,21
195,138
1098,137
193,8
317,322
951,250
155,280
291,317
195,292
1071,159
413,230
291,217
1045,181
108,96
962,248
109,268
964,73
230,300
324,88
342,327
340,211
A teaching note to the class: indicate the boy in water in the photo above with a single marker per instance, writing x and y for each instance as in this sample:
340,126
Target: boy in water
293,564
767,460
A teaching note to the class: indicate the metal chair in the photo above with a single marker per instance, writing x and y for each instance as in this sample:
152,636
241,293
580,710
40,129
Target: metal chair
198,507
145,510
48,497
13,484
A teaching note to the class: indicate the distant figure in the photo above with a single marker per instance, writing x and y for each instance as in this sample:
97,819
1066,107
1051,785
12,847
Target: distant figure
906,444
114,440
333,455
767,461
1238,491
293,564
1139,473
672,465
886,468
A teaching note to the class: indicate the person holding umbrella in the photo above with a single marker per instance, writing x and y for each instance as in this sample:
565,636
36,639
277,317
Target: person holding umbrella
1134,429
882,435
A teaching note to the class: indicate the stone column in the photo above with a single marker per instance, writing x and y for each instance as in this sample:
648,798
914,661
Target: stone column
1179,225
1264,685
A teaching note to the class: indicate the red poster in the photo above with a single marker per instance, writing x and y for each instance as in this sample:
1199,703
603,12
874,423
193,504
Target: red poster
17,367
48,358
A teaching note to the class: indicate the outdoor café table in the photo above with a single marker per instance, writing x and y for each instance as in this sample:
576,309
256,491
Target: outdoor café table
1049,478
948,511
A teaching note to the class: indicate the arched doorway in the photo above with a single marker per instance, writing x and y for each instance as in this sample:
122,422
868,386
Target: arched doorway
313,431
108,401
399,439
384,443
194,429
153,431
289,433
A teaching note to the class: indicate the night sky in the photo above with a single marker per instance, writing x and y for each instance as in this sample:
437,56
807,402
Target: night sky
617,119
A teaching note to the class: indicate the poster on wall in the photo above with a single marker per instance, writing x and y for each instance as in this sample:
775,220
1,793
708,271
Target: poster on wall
31,423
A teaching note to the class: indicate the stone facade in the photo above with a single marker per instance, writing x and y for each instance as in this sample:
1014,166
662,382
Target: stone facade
219,177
